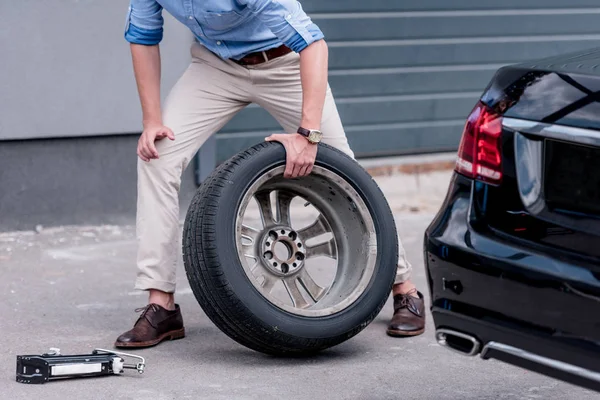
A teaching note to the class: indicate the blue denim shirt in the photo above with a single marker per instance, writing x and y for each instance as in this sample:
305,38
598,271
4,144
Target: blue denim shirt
229,28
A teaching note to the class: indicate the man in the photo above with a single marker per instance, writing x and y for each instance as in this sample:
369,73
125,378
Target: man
267,52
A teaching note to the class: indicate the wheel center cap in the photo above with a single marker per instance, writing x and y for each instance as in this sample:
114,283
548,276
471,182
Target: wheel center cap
283,251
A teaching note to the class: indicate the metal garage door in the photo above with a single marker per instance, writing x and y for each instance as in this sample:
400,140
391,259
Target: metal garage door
406,72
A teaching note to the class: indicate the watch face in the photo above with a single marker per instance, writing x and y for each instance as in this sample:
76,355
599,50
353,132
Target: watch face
314,136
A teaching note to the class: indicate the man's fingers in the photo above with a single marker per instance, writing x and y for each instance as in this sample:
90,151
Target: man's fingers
289,167
291,157
146,149
146,144
277,137
145,153
301,171
308,166
289,170
165,133
311,164
152,148
170,134
297,169
304,170
140,154
302,166
140,150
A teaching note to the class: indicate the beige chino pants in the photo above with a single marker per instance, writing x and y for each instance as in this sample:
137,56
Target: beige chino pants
206,97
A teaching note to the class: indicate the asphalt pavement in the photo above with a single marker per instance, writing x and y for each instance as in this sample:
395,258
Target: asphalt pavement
72,288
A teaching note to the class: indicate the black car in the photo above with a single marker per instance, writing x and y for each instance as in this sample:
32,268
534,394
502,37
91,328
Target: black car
513,256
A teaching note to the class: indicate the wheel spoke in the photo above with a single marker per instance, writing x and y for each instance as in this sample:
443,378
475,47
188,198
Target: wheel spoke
327,249
291,286
249,233
254,266
252,256
268,284
266,212
249,245
317,228
308,283
283,201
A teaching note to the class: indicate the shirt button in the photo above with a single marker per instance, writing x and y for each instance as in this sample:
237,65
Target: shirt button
190,17
289,16
218,43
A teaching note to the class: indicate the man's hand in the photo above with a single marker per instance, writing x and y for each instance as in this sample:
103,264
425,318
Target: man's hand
152,132
300,154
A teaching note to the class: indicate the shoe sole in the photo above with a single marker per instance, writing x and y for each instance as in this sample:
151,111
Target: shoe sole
172,335
395,333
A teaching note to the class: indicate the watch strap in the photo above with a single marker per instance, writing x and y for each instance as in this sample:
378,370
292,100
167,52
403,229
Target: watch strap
304,132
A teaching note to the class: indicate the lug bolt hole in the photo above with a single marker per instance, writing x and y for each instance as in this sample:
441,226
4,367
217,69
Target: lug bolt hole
268,255
282,232
299,245
293,235
295,265
299,256
274,264
285,268
273,236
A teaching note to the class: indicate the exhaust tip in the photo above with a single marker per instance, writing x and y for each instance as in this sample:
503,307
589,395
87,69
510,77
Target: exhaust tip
459,342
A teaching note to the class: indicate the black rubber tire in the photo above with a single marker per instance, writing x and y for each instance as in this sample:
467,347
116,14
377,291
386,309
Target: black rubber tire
223,289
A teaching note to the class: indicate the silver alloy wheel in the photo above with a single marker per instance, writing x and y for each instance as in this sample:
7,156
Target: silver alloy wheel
277,253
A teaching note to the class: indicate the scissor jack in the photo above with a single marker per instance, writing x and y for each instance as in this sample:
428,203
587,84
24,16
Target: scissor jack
39,369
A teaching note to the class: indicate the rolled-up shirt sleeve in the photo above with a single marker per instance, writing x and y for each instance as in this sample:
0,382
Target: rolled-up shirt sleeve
144,24
287,20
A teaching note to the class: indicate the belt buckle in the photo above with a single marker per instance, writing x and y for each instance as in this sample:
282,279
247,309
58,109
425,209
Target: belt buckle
264,53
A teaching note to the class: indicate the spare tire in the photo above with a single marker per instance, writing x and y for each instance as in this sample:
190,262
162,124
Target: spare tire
272,285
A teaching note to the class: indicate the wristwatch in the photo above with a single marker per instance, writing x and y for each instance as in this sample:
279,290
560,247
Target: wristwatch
312,135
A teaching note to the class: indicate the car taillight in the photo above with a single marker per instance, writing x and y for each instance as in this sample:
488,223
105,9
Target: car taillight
480,151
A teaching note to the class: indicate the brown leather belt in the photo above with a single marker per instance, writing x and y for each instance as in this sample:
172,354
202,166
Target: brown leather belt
260,57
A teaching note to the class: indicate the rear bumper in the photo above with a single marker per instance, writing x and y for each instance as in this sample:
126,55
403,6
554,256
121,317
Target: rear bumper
499,292
523,349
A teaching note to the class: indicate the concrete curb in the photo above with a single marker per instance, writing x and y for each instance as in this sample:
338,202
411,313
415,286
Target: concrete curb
409,165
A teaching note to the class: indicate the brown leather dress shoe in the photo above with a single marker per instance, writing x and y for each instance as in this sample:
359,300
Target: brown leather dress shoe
409,315
154,325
